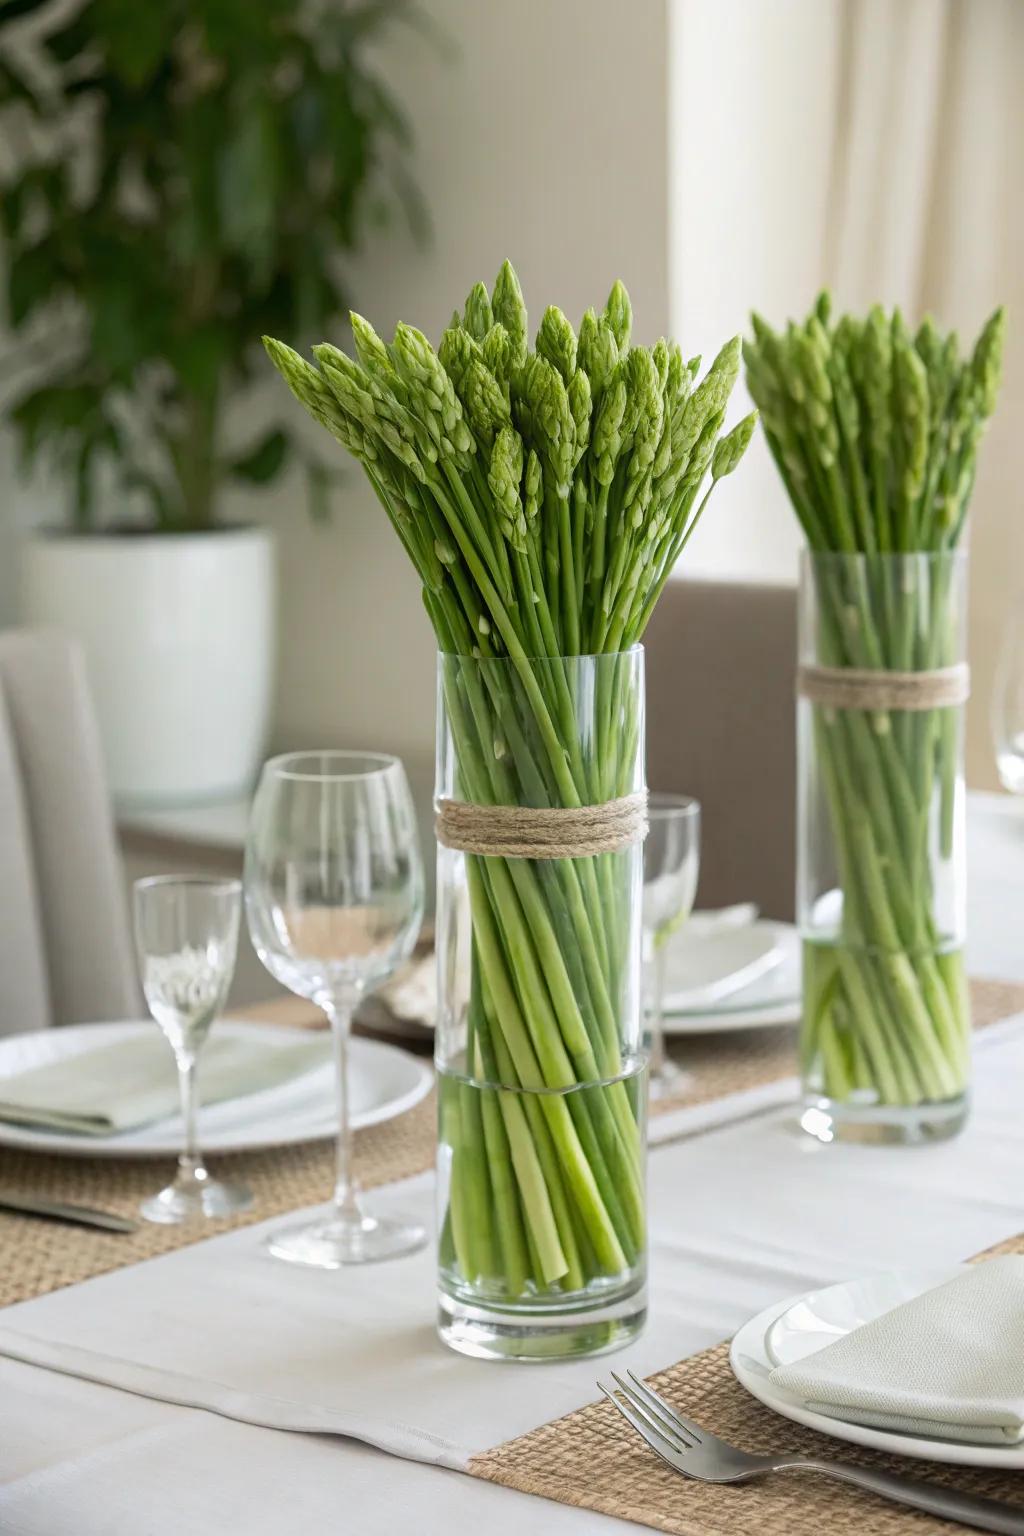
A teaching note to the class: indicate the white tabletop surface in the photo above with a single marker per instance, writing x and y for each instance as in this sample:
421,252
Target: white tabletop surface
76,1457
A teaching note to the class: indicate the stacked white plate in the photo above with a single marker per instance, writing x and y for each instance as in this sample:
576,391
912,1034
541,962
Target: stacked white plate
726,972
791,1330
383,1082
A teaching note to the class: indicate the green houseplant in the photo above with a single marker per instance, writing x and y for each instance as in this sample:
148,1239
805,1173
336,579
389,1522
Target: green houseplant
188,176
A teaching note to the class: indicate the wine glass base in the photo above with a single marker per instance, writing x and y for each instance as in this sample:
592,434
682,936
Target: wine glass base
336,1242
196,1202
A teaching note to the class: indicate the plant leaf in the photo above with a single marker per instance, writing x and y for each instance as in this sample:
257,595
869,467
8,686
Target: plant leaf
134,37
248,180
70,40
264,462
199,359
13,10
319,480
136,479
15,87
34,278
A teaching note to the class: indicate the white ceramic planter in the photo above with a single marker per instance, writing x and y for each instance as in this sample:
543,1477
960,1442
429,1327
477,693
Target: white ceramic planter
179,637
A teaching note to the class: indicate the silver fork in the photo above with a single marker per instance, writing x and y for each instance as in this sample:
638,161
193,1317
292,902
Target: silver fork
697,1453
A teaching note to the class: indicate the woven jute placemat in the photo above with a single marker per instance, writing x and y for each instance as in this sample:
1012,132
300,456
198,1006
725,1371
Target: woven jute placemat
40,1256
593,1460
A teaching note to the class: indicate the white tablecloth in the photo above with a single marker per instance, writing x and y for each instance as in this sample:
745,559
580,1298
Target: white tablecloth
740,1216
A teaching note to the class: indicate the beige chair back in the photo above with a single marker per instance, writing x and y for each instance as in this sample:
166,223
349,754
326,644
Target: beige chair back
65,950
721,668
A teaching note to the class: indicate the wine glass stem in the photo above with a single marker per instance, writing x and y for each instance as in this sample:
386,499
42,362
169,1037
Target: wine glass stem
190,1159
657,1015
346,1189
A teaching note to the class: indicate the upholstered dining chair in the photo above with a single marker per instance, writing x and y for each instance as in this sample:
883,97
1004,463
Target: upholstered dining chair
65,951
721,668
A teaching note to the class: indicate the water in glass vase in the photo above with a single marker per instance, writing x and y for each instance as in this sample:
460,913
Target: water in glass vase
542,1216
884,1042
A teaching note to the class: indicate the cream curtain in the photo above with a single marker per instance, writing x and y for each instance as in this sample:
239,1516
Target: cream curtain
878,149
926,209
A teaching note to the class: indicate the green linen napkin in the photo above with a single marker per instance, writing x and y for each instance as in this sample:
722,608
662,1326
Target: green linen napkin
949,1363
133,1082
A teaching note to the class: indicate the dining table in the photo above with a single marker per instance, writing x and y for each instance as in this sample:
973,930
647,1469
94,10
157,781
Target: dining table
210,1389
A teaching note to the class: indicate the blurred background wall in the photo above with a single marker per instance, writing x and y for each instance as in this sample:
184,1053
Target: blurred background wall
718,155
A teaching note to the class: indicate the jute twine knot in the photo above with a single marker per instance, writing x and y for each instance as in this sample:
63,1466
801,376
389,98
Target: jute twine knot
861,688
528,832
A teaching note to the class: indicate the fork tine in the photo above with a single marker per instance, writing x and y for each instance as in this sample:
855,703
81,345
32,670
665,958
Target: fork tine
653,1437
655,1401
661,1422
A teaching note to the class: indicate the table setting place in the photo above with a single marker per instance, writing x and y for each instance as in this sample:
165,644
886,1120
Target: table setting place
697,1219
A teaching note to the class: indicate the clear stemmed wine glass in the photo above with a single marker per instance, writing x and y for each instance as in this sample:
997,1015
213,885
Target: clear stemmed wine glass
671,864
186,934
334,900
1008,704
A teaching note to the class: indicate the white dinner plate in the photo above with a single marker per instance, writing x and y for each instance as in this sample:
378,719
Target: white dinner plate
790,1330
721,1021
768,956
383,1081
705,970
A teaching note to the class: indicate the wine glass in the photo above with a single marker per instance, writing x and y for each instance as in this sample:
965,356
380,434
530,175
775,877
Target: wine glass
1008,704
334,900
671,864
186,934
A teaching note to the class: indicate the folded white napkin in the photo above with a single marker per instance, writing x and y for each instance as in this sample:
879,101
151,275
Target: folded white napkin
133,1082
411,996
949,1364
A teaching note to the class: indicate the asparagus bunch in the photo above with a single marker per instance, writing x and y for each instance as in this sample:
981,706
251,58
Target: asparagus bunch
548,493
544,497
875,433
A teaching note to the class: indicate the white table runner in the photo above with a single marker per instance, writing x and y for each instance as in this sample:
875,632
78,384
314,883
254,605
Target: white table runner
739,1217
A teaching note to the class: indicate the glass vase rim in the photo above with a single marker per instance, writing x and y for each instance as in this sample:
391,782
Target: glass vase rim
382,763
635,649
222,885
663,803
812,557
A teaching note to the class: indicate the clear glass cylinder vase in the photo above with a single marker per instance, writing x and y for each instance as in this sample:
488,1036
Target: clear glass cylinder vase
880,867
541,1075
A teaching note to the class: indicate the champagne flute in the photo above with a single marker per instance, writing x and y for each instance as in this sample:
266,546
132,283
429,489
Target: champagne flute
186,934
334,901
671,864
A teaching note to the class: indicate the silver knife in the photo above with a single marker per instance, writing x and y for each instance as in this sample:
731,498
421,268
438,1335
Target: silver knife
55,1210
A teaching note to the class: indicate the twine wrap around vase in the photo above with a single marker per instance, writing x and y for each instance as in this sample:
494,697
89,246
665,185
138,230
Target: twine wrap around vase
863,688
535,832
